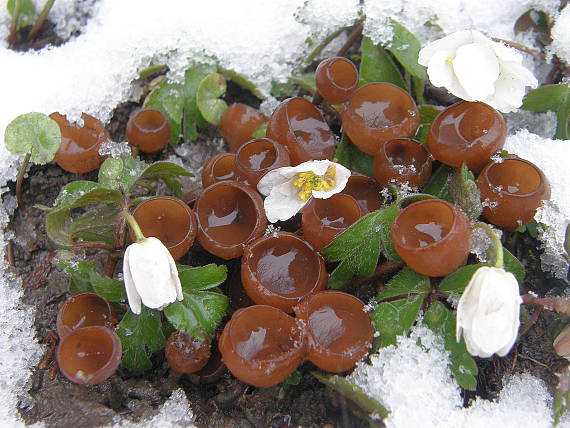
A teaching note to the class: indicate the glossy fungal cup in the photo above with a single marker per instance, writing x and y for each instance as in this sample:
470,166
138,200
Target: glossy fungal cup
299,126
511,192
466,132
432,237
168,219
339,331
238,122
186,354
379,112
230,215
89,355
281,269
218,168
262,345
84,310
148,129
365,191
336,79
323,219
79,150
400,161
212,371
257,157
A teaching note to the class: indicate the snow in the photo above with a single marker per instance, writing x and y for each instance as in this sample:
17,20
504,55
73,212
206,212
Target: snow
561,35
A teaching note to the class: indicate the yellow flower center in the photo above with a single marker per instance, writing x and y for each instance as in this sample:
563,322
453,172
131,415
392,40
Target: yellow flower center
309,181
449,60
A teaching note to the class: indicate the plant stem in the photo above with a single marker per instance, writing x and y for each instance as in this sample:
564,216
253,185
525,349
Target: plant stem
560,305
134,226
418,85
522,48
496,242
20,178
41,19
13,36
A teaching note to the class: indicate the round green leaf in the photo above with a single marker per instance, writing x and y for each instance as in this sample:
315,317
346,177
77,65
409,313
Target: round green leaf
35,133
210,89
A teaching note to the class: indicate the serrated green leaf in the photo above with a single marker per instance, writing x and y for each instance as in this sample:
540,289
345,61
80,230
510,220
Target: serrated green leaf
350,156
458,280
168,172
385,222
210,105
199,313
438,184
545,98
513,265
168,98
111,289
340,276
33,133
306,81
428,113
406,48
141,336
405,283
377,66
393,319
442,322
201,278
192,117
465,194
27,12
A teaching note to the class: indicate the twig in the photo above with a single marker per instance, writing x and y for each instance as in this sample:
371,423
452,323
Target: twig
20,178
524,357
531,321
41,19
560,305
93,244
522,48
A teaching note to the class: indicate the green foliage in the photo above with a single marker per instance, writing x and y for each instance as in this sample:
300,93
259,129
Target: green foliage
405,283
406,48
203,277
33,133
168,98
531,227
513,265
350,156
294,378
306,81
442,322
241,81
141,336
465,194
458,280
438,184
260,131
554,98
377,66
27,12
210,105
358,247
561,395
428,113
395,318
192,117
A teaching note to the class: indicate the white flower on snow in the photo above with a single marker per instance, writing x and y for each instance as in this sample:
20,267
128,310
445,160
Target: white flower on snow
475,68
289,188
488,312
150,275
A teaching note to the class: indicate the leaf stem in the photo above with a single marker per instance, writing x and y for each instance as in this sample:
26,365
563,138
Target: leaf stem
134,226
496,242
20,179
13,36
41,19
418,85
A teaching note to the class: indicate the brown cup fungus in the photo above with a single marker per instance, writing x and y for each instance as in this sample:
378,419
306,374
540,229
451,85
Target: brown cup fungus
168,219
365,191
378,112
511,192
323,219
338,330
79,150
336,79
218,168
148,129
466,132
281,269
262,345
186,354
257,157
89,355
84,310
238,123
212,371
432,237
299,126
400,161
230,215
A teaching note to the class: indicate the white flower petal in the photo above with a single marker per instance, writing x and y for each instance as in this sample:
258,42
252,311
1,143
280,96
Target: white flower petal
342,174
448,43
276,177
477,68
283,202
132,294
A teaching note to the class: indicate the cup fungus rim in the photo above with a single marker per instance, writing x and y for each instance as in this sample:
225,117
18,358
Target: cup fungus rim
275,148
286,104
329,62
542,185
62,329
97,141
310,208
425,150
144,129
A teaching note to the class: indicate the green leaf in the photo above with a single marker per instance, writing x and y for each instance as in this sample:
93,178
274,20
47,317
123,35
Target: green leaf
80,273
393,319
27,12
514,266
210,105
465,194
168,172
561,395
168,97
442,322
111,173
422,134
283,89
294,378
350,156
340,276
428,113
306,81
200,312
567,240
260,131
35,133
192,117
554,98
201,278
111,289
354,393
96,224
405,283
458,280
242,81
141,335
377,66
406,48
438,184
385,222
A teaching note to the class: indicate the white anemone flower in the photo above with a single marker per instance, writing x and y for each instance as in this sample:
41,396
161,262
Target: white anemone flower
488,312
474,68
288,189
150,275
